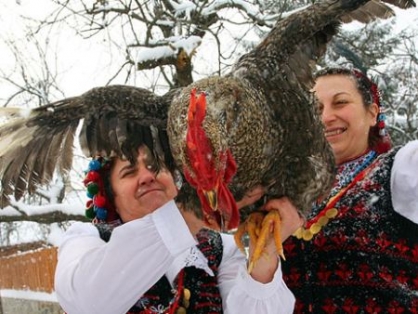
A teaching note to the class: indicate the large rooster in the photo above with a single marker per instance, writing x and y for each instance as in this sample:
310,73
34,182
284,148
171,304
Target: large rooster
259,121
255,126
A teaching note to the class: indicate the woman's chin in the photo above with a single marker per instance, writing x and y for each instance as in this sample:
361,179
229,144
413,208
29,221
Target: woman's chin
338,152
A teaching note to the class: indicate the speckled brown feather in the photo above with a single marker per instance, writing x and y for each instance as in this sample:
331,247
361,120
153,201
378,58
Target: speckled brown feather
33,146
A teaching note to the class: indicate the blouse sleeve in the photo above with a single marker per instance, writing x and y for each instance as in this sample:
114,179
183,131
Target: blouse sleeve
404,181
93,276
242,294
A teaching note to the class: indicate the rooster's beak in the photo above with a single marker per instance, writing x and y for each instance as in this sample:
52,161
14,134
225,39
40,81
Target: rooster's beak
212,197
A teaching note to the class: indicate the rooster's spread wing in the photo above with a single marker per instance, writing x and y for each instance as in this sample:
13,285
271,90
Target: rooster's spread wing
34,145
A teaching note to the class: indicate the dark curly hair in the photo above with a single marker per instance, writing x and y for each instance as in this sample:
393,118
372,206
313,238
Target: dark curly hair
101,207
98,175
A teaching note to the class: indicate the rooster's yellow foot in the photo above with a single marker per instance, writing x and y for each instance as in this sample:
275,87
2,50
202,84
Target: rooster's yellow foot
258,225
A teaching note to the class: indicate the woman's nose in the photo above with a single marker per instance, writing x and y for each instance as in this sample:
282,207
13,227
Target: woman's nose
327,114
146,175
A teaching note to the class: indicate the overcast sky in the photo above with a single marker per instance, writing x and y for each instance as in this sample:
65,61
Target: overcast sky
82,64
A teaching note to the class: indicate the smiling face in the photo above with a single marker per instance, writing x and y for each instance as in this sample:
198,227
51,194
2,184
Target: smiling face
346,118
140,189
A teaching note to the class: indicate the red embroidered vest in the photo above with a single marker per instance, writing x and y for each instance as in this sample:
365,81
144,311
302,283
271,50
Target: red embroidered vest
365,260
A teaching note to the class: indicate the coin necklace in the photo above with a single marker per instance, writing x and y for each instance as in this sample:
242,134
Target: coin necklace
329,212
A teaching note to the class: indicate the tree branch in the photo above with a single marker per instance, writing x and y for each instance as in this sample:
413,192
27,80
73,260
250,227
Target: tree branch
47,218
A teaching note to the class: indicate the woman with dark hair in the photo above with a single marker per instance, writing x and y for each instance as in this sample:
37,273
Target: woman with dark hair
145,253
358,250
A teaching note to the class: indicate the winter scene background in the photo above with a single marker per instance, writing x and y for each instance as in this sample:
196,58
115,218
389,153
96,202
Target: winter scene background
53,49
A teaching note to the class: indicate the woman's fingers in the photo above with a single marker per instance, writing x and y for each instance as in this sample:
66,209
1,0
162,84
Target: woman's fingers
291,219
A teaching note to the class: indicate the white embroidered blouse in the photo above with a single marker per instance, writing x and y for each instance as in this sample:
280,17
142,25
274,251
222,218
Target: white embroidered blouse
93,276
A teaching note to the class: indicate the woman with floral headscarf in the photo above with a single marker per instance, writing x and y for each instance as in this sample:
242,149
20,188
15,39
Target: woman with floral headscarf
358,250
